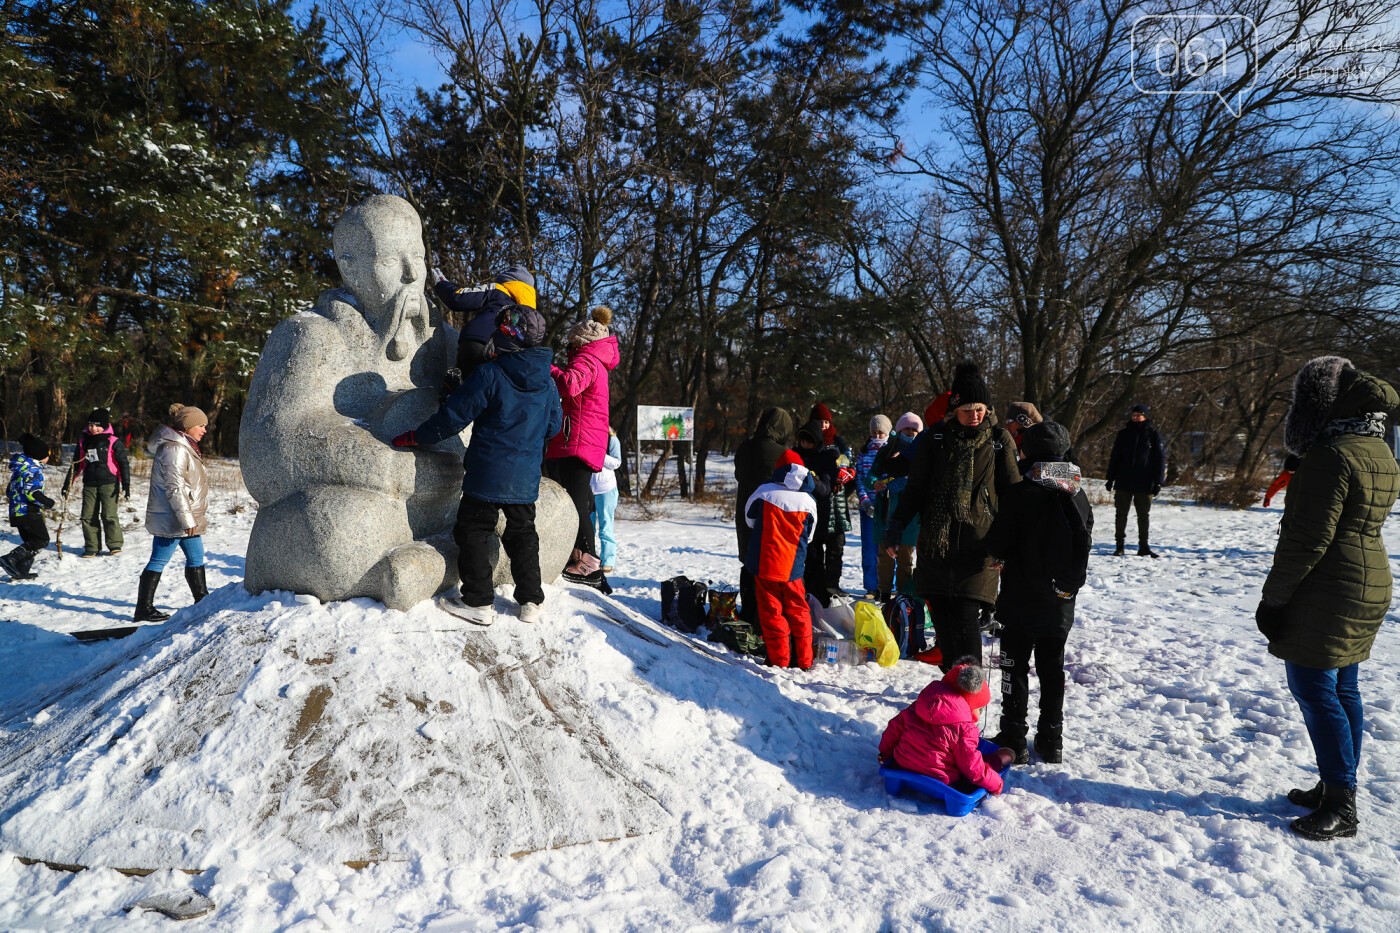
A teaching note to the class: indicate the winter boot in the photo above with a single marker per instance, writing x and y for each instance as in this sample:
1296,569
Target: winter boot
1334,819
575,564
1145,551
146,597
1050,744
1311,799
1118,551
194,576
17,563
1015,740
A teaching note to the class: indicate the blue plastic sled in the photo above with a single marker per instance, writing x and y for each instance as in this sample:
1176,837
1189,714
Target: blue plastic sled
954,801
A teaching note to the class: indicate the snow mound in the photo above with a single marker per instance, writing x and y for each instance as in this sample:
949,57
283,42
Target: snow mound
275,729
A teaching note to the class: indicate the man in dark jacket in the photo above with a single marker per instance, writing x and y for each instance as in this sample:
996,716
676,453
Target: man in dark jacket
823,460
102,461
1030,535
754,462
1136,470
515,408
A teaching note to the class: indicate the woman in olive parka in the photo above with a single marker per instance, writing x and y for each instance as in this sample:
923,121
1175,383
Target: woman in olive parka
1330,584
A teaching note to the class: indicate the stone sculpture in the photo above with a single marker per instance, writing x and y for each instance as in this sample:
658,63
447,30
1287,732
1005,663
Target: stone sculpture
342,513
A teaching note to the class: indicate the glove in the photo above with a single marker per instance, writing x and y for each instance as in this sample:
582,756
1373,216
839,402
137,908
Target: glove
867,508
451,381
1108,486
66,487
435,275
407,439
126,494
1156,488
1270,618
844,476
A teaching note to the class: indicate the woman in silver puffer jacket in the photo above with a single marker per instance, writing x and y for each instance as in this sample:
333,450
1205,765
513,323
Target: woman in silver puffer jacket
175,507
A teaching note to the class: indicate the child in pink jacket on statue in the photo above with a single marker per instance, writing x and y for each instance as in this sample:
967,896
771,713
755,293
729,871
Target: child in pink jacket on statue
937,734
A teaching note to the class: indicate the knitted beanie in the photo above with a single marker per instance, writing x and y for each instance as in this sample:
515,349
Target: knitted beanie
1141,409
970,680
789,458
1023,413
185,417
1046,442
820,413
34,448
968,386
519,284
100,416
909,420
595,328
518,327
880,425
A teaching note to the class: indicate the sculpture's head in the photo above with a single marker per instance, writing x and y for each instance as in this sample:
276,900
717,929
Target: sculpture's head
379,249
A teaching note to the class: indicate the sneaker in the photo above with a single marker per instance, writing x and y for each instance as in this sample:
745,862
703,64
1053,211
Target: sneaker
87,554
607,568
530,612
476,615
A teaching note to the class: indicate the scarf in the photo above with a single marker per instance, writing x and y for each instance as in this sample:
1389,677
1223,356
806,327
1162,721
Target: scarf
1371,424
950,500
1061,475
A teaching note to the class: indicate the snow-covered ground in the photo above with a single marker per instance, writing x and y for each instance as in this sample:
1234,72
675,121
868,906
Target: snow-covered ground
1166,815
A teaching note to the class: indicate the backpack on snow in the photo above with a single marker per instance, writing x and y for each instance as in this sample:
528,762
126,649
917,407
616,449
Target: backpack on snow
1066,539
905,615
683,603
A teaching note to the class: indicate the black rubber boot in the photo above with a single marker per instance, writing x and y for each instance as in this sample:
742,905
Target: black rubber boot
194,576
146,597
1312,799
1334,819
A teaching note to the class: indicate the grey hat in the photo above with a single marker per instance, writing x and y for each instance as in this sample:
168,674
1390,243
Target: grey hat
880,425
516,274
1046,442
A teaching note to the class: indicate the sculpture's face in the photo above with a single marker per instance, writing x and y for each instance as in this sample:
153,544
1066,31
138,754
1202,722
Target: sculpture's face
379,249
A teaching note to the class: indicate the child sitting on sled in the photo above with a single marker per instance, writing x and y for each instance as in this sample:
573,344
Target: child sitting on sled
937,734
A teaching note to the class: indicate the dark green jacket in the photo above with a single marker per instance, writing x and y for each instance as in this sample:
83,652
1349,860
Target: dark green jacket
966,571
1330,565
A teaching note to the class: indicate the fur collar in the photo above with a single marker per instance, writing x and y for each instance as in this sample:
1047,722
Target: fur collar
1314,393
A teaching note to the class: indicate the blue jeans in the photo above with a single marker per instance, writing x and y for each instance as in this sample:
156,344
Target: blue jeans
869,554
604,505
1331,705
162,549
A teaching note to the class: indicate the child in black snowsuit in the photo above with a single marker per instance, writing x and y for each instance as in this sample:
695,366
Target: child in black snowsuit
25,495
480,304
1034,536
515,409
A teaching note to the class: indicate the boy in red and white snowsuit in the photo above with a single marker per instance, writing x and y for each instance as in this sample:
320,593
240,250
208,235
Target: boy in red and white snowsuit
783,516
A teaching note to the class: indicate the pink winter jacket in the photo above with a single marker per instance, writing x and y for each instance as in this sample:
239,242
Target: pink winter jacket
937,736
583,388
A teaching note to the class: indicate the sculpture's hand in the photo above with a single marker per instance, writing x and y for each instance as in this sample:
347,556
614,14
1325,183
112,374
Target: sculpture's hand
407,439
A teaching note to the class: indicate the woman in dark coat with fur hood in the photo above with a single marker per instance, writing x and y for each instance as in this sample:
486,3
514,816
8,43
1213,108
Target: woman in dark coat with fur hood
1330,585
961,468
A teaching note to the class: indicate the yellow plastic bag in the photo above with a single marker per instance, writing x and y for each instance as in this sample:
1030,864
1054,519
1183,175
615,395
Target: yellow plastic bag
873,633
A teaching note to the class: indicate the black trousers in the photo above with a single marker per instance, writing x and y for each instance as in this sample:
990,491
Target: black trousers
1122,501
33,538
835,557
476,523
814,579
1047,644
957,621
574,475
